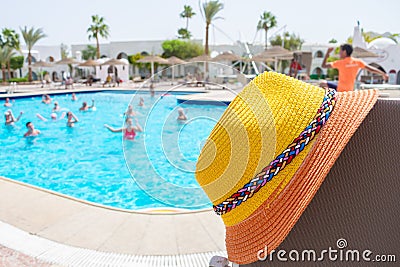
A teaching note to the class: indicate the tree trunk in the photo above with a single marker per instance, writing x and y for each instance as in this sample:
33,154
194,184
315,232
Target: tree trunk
3,70
206,47
266,38
187,23
97,47
8,69
29,66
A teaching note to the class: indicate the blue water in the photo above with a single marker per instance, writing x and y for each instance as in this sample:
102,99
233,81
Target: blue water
88,161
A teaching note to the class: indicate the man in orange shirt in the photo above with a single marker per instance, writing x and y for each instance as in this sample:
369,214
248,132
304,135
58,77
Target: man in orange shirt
348,68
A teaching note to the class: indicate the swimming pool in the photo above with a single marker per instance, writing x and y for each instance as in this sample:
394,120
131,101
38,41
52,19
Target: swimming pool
87,161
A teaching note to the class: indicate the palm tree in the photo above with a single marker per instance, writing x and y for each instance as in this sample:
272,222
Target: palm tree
31,36
267,21
6,53
11,39
184,34
98,29
188,14
210,9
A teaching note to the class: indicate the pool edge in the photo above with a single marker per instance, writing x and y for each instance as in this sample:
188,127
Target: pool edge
147,211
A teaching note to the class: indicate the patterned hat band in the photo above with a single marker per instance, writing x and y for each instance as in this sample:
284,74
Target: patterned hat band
283,159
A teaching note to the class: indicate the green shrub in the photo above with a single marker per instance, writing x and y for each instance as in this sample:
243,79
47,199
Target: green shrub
182,49
317,77
18,80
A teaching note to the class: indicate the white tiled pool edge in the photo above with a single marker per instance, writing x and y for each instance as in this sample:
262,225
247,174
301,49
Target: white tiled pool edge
56,253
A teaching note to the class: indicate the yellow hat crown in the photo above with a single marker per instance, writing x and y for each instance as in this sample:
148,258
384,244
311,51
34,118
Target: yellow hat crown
260,125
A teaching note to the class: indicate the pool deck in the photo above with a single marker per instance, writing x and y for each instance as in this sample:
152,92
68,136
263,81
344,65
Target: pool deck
76,224
34,90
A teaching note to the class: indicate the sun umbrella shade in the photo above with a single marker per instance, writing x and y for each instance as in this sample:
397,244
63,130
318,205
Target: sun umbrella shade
42,64
363,53
175,60
261,58
67,61
114,61
227,56
153,59
90,63
200,58
274,52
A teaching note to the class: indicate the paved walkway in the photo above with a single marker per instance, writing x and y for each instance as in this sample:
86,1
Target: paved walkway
80,224
12,258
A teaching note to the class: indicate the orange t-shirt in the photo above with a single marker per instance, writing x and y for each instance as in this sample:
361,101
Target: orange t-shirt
348,69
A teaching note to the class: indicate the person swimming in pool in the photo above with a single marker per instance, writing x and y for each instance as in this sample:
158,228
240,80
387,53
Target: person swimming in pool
56,107
31,130
10,119
74,98
130,112
181,115
46,99
129,131
85,106
72,119
141,102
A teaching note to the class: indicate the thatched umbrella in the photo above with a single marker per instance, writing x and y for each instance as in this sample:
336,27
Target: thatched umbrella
90,63
202,58
260,58
227,56
363,53
275,52
151,59
67,61
114,61
42,64
174,61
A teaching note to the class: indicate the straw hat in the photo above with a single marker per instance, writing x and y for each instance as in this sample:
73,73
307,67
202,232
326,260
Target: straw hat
269,153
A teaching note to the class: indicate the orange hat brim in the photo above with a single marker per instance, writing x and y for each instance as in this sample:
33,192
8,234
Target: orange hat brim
269,225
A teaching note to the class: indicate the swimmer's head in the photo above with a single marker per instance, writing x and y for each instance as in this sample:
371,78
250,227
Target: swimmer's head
53,116
56,103
29,125
128,121
7,113
181,111
84,104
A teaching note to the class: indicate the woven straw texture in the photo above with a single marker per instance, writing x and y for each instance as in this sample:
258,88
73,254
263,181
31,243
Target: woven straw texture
273,220
358,200
257,126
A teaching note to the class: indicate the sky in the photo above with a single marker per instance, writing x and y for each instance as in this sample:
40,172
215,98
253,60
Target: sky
315,21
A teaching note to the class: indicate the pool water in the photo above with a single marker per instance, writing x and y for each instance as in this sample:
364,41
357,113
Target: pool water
88,162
